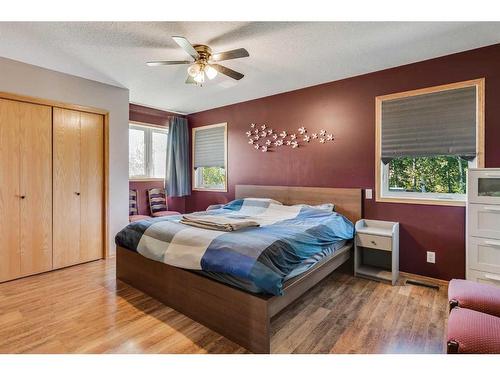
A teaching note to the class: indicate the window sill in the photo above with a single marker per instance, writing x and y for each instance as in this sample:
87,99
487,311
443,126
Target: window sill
146,179
208,189
426,201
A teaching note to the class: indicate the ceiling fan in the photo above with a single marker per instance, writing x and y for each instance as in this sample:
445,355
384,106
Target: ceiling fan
205,62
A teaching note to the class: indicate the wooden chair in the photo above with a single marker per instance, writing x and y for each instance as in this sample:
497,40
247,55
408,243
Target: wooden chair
158,203
133,207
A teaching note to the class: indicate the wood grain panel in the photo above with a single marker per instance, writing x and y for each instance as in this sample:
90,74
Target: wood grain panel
10,257
347,201
36,186
66,208
91,186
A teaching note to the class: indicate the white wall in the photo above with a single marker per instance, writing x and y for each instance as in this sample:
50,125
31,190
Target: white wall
30,80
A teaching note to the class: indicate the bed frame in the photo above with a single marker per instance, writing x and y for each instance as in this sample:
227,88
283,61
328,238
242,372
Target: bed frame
240,316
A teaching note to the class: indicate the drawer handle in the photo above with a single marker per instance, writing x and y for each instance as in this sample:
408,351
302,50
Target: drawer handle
492,243
373,242
492,277
489,208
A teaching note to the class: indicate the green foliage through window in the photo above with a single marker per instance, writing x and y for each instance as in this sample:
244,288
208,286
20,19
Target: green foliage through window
439,174
212,177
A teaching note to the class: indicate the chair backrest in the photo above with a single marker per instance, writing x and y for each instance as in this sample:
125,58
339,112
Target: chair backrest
157,200
132,202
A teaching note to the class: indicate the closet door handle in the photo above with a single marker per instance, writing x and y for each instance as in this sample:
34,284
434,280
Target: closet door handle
77,193
21,196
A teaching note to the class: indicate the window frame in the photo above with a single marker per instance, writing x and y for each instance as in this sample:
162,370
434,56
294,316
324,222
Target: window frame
193,147
382,193
147,145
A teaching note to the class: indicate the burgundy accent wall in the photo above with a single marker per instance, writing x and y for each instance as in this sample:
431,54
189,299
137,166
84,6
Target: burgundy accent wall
152,116
347,109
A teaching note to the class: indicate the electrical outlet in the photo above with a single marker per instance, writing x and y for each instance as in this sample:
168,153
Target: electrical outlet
431,257
368,194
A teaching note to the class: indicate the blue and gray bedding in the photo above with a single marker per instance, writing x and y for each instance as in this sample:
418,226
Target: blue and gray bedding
250,286
288,237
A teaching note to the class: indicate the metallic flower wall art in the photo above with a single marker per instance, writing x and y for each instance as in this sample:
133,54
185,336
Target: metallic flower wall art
265,139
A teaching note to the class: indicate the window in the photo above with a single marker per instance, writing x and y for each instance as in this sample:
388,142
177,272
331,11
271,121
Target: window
147,152
425,142
210,158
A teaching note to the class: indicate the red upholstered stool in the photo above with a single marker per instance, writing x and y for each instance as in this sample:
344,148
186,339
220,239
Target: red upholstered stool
473,332
474,296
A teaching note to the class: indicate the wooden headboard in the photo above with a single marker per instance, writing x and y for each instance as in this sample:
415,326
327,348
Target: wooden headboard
347,201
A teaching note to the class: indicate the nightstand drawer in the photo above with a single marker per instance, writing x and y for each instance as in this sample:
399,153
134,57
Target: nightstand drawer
374,242
484,254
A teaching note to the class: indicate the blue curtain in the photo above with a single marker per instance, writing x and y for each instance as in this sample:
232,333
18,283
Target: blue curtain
178,177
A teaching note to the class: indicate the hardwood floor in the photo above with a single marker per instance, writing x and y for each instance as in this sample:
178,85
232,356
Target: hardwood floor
82,309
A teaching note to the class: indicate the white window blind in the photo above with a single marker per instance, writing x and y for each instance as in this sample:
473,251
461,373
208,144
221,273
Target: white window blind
209,147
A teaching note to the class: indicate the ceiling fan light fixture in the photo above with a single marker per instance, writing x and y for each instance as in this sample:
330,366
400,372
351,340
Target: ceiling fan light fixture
211,72
203,63
200,77
194,69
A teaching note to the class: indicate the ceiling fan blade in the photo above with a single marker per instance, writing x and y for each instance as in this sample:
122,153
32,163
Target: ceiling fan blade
157,63
190,80
186,46
228,72
229,55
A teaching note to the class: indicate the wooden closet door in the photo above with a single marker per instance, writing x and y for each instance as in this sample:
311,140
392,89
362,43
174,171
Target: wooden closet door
66,191
36,187
91,186
10,258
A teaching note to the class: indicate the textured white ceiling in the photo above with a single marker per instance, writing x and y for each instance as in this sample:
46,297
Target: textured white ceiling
283,55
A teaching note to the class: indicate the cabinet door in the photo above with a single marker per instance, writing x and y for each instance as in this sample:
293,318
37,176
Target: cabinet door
484,254
36,187
91,186
484,220
484,186
10,259
66,193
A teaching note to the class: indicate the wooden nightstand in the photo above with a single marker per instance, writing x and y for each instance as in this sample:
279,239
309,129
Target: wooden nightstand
376,250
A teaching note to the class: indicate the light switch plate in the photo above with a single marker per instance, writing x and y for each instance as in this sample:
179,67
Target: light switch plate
431,257
368,194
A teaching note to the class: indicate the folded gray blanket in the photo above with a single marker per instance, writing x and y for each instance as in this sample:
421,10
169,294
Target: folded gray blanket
215,222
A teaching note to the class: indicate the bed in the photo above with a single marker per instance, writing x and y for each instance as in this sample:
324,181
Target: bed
242,316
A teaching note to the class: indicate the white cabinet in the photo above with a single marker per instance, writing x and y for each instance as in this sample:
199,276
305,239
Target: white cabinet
483,225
